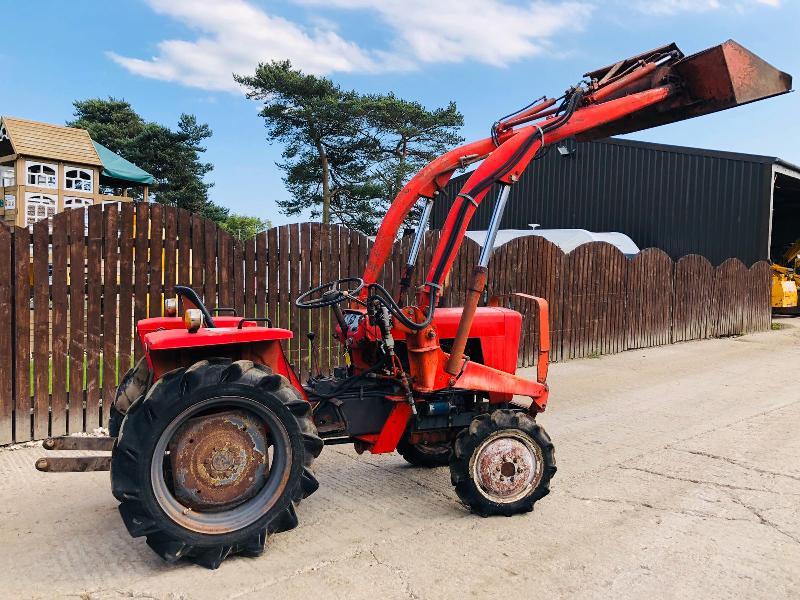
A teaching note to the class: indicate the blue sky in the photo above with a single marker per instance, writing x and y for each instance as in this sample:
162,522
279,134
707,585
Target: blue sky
490,56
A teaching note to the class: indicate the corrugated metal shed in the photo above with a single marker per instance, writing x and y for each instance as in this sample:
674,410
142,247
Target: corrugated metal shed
682,200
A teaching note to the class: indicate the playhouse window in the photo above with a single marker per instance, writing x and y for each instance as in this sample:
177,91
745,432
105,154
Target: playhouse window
38,207
78,179
75,202
41,174
6,176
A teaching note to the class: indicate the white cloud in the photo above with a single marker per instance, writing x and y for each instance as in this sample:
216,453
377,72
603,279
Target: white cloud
495,32
671,7
234,35
668,7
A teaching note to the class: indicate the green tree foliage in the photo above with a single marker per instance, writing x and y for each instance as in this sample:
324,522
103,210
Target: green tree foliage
408,136
171,156
345,155
325,152
243,227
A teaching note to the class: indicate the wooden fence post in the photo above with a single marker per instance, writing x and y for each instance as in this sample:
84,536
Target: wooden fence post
531,265
649,299
759,307
22,342
126,287
140,273
94,256
60,320
41,330
6,335
594,301
730,283
170,252
692,298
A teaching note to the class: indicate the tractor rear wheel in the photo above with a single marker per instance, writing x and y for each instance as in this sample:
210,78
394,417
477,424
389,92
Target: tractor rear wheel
214,459
115,419
133,386
502,463
425,455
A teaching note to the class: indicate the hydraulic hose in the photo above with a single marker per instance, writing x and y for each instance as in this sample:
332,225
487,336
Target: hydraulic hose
385,298
570,104
480,274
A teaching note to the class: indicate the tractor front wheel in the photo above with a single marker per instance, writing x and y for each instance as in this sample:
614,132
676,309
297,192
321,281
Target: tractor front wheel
502,463
425,455
214,459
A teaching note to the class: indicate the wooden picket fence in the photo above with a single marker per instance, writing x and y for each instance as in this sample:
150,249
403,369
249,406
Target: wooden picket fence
72,290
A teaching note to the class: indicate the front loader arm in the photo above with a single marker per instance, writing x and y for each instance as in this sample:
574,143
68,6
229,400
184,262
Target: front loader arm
425,184
432,178
667,86
656,87
507,163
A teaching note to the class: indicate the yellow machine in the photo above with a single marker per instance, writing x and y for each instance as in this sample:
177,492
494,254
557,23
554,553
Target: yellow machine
786,282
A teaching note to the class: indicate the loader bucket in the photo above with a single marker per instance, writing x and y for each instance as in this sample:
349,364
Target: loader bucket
715,79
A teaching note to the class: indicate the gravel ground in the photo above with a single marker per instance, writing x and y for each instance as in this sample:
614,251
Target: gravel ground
678,478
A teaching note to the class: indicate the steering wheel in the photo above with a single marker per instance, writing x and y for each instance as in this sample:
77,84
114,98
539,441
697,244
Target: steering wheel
332,293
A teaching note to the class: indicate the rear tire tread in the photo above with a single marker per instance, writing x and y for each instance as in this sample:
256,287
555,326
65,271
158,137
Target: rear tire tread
172,390
130,391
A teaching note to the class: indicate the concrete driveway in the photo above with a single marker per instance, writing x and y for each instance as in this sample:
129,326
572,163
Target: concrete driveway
679,477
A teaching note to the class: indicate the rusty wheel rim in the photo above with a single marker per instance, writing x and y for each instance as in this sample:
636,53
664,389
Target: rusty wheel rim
507,466
219,460
221,467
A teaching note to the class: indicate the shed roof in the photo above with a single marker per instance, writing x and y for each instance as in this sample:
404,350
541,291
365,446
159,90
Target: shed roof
47,141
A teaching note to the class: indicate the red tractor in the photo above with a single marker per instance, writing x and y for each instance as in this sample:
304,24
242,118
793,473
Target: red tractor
213,435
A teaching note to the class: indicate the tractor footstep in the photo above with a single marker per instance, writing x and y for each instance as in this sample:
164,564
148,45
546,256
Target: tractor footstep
73,464
71,442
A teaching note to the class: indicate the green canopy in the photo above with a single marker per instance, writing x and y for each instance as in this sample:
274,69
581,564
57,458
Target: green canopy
116,167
